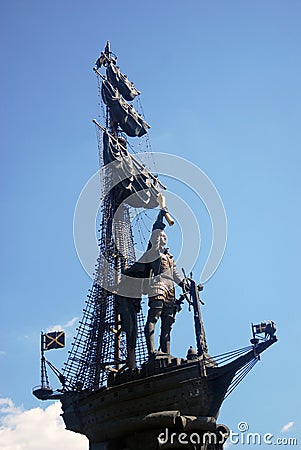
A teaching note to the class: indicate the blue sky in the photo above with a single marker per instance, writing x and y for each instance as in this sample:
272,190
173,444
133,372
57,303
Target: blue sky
220,84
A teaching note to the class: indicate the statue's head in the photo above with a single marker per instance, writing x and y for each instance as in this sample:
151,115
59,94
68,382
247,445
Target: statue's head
158,238
162,239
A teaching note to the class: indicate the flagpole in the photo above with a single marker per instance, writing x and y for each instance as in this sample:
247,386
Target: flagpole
44,376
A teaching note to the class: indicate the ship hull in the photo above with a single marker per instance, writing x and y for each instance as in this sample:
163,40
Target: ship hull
181,390
114,410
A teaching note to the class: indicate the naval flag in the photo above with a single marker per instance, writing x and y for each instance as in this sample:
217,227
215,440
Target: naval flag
55,339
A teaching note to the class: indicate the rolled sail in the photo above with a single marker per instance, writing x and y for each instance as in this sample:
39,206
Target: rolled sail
132,184
121,82
123,113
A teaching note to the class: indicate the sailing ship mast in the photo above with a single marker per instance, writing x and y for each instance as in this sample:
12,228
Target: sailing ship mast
100,345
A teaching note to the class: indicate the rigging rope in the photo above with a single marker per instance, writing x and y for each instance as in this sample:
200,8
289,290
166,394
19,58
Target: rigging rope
240,375
228,356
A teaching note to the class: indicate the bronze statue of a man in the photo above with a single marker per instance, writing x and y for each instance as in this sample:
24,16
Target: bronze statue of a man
158,273
162,275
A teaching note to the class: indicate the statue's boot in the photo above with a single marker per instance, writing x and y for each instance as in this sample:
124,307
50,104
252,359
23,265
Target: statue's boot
166,325
131,358
165,342
149,332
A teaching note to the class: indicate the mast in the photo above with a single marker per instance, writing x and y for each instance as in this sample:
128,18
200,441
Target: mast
198,322
124,240
100,345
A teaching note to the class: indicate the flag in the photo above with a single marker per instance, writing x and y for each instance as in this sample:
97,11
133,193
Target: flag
55,339
260,328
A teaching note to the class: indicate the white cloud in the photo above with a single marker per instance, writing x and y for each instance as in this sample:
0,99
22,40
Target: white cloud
7,406
36,429
58,327
71,322
287,427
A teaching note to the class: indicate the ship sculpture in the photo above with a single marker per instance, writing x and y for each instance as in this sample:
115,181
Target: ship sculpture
116,388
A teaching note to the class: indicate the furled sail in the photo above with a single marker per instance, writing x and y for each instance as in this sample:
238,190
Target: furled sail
121,82
133,183
123,113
